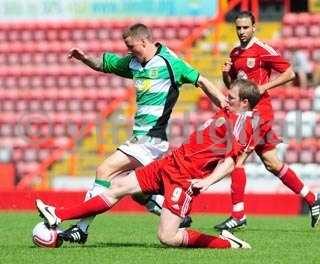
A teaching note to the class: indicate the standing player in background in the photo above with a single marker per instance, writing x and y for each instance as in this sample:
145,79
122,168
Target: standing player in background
157,74
255,60
207,156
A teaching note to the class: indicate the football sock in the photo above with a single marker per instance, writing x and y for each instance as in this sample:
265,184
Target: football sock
98,187
195,239
94,206
238,184
293,182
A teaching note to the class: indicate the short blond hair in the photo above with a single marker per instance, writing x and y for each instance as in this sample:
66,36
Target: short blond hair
137,31
247,90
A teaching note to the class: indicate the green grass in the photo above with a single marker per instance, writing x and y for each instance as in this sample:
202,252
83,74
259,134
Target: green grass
129,239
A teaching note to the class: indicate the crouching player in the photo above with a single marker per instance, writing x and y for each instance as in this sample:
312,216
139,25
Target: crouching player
207,156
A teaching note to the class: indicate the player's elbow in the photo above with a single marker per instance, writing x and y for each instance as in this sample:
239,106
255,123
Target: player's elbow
291,74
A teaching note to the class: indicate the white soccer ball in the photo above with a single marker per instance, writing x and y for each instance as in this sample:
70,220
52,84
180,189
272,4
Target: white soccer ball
42,236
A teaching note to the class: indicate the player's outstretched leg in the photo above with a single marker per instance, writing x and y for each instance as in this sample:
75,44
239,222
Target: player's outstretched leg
116,165
127,184
78,233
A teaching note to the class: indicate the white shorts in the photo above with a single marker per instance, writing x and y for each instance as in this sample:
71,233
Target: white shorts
145,149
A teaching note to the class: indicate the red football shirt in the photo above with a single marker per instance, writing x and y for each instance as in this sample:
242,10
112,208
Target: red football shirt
255,62
225,134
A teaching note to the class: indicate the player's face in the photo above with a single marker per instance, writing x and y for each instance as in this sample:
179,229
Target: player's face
234,100
136,47
236,105
245,29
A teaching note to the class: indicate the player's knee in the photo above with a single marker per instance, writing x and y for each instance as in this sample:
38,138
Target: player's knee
167,239
274,166
102,173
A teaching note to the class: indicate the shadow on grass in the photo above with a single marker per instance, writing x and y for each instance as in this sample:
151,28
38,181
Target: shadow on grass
287,230
124,245
115,245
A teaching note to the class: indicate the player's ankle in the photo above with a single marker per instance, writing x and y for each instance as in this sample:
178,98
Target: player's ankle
239,217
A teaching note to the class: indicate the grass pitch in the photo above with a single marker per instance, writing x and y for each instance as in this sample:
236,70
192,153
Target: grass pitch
125,239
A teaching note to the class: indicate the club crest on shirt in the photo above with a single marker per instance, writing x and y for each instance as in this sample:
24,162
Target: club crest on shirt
154,73
220,121
251,62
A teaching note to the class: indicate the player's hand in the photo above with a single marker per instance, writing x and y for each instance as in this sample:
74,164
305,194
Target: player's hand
226,67
262,89
200,184
77,54
224,101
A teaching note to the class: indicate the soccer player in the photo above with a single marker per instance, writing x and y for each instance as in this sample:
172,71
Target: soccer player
206,157
157,74
255,60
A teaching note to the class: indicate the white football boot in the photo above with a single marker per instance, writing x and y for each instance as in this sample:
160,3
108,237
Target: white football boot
48,213
234,241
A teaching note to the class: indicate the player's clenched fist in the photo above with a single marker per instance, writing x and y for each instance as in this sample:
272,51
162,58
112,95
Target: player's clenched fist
227,65
77,54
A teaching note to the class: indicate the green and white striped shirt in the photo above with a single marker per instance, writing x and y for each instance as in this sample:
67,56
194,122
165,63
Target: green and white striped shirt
157,86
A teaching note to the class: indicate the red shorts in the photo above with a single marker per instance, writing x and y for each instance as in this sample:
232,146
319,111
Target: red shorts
164,177
264,139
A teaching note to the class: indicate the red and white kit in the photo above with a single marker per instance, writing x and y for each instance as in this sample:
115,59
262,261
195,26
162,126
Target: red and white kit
256,62
224,135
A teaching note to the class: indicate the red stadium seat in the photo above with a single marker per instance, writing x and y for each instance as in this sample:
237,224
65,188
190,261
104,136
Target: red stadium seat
290,19
36,77
304,18
292,152
308,150
287,31
314,31
291,99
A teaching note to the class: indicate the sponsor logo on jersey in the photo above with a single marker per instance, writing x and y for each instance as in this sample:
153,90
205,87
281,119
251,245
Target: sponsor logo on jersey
251,62
143,84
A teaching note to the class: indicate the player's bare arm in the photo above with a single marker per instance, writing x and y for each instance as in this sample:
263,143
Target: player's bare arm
226,67
242,158
223,169
214,93
283,78
93,63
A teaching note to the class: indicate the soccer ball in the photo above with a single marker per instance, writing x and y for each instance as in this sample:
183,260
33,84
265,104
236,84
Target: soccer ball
42,236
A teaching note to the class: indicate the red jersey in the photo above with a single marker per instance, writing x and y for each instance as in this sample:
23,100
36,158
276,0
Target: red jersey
224,135
255,62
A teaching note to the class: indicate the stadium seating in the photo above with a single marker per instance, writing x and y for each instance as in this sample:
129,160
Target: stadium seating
45,99
300,31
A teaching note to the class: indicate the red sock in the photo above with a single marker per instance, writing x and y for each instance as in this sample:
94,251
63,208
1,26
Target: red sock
294,183
238,184
94,206
195,239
